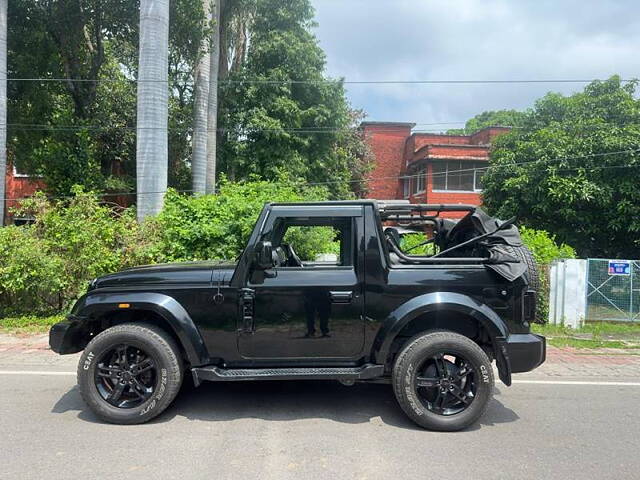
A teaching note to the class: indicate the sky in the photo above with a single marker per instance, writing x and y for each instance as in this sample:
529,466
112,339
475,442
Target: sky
472,40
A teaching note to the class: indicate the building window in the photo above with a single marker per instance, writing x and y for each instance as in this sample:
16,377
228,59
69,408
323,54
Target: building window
406,187
418,181
458,176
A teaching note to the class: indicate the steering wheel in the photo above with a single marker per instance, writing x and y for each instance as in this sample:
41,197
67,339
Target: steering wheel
293,260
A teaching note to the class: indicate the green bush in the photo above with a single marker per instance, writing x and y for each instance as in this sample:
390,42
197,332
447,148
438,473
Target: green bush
218,226
30,278
545,250
544,247
45,266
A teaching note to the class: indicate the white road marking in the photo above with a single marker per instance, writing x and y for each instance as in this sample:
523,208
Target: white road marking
577,382
34,372
531,382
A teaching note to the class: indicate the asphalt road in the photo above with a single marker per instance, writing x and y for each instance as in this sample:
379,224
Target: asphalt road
319,430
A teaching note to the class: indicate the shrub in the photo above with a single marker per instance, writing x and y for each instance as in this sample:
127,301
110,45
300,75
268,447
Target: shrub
31,280
545,250
48,264
544,247
218,226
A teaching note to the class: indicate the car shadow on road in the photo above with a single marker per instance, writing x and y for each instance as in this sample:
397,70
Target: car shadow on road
284,401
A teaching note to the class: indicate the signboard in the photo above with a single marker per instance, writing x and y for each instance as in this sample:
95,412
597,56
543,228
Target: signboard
619,267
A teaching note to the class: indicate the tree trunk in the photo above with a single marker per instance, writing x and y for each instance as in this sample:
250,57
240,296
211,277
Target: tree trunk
153,95
3,105
212,122
200,110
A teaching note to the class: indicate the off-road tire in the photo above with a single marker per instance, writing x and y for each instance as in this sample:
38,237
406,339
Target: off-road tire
157,343
423,346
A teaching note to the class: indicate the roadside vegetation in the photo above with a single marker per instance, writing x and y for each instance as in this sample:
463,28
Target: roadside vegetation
593,335
45,266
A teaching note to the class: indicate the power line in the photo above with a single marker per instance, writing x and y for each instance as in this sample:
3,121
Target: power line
308,130
399,177
330,81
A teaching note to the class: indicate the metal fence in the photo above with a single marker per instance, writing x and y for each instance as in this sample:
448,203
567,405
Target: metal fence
613,290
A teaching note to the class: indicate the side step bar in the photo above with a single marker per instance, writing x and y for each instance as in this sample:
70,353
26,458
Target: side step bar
217,374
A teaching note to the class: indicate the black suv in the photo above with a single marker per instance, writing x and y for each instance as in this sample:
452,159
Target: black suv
367,310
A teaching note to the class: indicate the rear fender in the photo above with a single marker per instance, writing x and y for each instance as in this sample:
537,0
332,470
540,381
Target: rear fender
95,305
443,301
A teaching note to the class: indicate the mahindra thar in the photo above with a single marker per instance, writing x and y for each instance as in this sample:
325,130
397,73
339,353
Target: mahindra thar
429,319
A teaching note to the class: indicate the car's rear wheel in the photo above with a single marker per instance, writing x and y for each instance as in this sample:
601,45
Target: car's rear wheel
130,373
443,381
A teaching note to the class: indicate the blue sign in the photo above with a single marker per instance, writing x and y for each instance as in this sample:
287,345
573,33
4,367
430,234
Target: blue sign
619,267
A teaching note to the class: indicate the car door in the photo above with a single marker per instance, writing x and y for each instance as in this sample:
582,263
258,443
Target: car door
310,308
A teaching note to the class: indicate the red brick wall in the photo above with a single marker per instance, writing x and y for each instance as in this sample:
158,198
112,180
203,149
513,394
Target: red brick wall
17,187
387,144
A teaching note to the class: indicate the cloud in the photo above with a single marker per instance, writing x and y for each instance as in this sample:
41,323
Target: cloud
472,39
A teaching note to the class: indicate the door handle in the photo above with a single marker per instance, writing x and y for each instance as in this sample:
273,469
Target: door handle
341,297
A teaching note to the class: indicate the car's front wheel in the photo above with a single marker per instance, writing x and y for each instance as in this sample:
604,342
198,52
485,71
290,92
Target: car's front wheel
443,381
130,373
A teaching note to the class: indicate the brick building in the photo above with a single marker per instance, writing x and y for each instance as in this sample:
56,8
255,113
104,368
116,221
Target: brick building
17,186
427,167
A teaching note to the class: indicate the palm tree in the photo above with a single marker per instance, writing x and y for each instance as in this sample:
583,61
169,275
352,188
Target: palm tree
212,123
3,104
152,154
200,110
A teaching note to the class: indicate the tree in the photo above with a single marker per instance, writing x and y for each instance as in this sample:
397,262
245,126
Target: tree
3,105
212,107
153,92
492,118
572,169
201,110
95,145
278,109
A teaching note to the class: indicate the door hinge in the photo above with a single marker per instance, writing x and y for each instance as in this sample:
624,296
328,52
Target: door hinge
247,300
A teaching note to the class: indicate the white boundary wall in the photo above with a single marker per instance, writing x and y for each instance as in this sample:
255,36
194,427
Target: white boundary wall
567,292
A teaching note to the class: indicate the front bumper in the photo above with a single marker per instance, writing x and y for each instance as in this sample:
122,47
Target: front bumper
70,336
525,351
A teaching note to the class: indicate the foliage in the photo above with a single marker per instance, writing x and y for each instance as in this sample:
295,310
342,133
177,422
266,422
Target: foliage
28,323
561,172
410,241
83,132
544,247
493,118
48,264
281,113
30,279
218,226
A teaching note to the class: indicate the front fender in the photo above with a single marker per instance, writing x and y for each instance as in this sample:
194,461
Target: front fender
431,302
99,303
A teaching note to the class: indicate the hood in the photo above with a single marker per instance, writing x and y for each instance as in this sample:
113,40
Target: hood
168,274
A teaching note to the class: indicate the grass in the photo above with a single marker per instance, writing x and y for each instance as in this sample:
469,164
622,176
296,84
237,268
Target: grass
592,335
29,324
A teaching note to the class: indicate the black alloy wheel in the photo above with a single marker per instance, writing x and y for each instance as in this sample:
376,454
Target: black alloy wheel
126,376
443,380
130,373
446,384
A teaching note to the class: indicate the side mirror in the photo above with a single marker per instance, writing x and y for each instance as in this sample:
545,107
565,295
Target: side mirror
263,255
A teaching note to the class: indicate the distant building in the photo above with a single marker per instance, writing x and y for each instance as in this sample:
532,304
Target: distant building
427,167
18,186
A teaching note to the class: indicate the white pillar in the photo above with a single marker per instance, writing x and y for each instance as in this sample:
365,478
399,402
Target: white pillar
568,292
